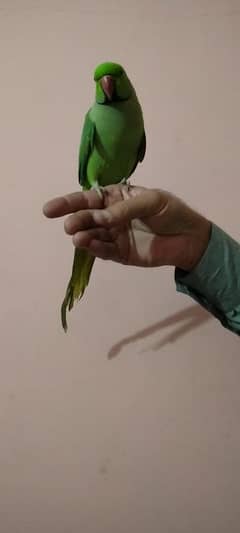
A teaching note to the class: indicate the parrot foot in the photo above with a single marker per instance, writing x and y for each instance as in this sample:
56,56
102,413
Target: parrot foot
99,190
125,181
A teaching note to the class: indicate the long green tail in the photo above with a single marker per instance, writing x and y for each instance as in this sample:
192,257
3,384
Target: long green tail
81,270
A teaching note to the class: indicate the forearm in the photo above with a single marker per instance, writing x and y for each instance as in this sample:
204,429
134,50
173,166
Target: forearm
215,281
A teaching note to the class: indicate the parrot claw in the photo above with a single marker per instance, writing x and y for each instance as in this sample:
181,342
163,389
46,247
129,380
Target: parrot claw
126,182
99,190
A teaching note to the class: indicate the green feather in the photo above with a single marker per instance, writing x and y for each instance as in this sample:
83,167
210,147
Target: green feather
86,148
113,141
108,68
81,270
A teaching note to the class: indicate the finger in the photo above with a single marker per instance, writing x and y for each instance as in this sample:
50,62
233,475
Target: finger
142,205
103,250
83,239
98,248
63,205
82,220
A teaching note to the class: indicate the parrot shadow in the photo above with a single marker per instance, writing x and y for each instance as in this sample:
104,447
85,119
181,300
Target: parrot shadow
183,322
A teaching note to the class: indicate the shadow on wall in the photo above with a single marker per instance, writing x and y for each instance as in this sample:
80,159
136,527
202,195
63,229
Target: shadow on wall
183,322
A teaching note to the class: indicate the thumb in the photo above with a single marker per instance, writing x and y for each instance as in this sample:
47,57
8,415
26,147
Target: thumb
147,202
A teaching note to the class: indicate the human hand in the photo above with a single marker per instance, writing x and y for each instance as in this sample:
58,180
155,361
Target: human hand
134,226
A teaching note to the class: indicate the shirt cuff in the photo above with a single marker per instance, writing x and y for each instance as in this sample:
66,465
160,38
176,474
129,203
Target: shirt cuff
215,281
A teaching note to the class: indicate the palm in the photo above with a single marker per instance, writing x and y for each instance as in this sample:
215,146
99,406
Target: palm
137,242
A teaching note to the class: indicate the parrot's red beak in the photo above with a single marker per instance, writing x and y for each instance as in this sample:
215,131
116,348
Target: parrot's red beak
107,83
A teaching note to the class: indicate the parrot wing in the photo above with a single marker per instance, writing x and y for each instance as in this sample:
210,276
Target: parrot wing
86,147
141,152
142,148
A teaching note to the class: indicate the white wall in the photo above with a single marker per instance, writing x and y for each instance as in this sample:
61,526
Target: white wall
147,441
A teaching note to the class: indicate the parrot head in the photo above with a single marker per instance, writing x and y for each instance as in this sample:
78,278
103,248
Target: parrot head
112,83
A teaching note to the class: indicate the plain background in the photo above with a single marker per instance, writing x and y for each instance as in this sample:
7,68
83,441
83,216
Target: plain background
130,423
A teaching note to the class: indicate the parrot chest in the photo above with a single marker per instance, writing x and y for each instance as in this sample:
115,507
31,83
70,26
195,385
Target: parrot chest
119,130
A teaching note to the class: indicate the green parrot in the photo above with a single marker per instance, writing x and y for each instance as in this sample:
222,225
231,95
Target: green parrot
113,141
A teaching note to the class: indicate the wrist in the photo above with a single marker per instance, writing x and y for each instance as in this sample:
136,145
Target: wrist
195,245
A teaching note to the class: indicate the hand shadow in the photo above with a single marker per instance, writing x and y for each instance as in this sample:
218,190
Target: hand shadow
189,319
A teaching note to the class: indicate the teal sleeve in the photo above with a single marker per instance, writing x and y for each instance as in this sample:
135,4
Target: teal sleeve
215,281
